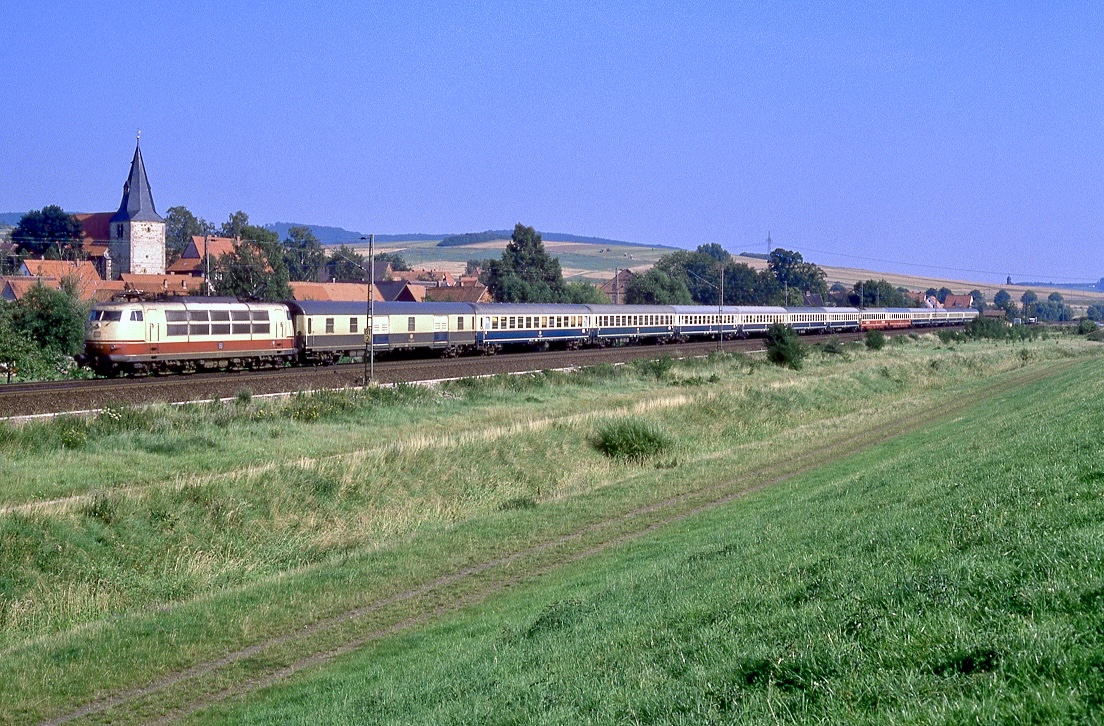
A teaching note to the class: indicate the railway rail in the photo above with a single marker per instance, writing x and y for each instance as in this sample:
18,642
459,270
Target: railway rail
56,397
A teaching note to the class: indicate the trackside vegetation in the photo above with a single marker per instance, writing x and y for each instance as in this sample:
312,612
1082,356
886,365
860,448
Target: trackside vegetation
952,575
178,560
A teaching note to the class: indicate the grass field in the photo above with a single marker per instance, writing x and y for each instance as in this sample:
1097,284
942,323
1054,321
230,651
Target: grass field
171,561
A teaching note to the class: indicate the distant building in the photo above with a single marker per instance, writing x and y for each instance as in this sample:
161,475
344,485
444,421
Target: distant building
132,239
614,288
958,302
459,293
192,260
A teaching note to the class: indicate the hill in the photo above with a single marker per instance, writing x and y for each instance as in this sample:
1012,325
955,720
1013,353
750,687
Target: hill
491,235
338,235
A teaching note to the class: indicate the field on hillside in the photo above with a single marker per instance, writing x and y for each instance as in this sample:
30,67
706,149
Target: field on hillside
596,263
579,260
175,560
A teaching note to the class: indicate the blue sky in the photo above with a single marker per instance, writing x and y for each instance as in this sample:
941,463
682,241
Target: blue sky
952,135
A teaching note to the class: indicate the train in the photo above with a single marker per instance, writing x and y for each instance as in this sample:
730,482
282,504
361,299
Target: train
186,335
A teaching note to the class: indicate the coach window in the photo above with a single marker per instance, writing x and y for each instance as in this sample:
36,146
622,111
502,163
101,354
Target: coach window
460,322
410,324
329,326
352,325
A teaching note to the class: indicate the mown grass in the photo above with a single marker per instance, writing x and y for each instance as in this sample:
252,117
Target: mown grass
953,575
169,535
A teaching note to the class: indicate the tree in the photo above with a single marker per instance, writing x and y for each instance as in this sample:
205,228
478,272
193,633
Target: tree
252,271
656,287
699,271
1055,297
180,226
714,250
943,293
1002,299
526,272
784,348
1029,297
303,254
583,293
745,286
54,319
234,225
1095,311
1051,311
792,272
347,264
877,293
979,300
391,258
47,232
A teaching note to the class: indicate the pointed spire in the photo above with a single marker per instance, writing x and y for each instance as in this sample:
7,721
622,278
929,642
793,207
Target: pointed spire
137,204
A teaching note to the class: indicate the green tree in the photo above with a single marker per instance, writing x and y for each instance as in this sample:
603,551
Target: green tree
303,254
699,271
877,293
180,226
714,250
784,347
253,270
744,286
583,293
347,264
394,259
235,225
1055,297
47,232
1095,311
54,319
1028,297
979,300
794,273
1002,299
526,272
943,293
656,287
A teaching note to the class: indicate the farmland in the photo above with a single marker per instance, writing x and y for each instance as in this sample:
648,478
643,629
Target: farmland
836,540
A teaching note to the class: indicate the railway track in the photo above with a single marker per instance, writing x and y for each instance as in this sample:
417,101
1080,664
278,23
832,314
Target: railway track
55,397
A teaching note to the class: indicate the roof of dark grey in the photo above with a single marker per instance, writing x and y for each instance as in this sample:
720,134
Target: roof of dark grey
345,307
137,204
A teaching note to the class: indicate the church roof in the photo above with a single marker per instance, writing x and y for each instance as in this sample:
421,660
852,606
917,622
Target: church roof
137,204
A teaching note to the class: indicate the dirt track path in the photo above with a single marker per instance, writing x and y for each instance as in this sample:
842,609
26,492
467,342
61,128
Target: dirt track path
204,684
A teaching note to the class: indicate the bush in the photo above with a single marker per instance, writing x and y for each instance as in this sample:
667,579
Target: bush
1087,326
630,439
946,337
783,346
874,339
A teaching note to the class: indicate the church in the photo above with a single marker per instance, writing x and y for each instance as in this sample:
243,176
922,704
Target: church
132,239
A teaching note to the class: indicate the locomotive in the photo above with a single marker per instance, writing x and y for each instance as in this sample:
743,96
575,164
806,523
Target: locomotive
192,334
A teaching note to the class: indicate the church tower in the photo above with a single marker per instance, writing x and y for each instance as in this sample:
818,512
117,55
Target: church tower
137,230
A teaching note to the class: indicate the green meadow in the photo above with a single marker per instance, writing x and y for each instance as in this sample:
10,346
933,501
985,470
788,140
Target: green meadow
911,534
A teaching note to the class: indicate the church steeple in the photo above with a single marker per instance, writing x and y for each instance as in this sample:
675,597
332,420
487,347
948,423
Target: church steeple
137,204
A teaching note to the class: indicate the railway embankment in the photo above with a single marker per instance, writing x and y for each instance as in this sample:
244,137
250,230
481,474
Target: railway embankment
167,562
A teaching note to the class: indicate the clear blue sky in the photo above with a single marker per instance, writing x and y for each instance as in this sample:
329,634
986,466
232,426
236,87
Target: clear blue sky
962,135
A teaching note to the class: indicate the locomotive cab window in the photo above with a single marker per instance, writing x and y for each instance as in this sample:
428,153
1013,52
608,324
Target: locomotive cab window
136,316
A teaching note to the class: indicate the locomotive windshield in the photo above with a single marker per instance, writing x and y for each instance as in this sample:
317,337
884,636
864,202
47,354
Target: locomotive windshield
107,316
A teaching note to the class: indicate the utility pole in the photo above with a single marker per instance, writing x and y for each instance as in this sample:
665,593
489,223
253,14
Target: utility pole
768,243
370,330
720,311
207,263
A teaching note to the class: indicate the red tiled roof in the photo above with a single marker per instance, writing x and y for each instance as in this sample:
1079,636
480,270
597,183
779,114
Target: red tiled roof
219,246
178,284
958,301
346,291
466,294
13,288
95,227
